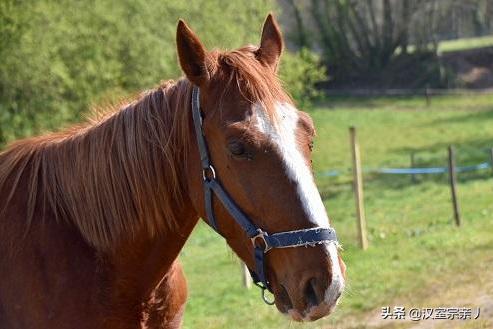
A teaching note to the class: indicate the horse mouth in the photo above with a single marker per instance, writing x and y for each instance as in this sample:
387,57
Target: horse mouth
313,307
311,314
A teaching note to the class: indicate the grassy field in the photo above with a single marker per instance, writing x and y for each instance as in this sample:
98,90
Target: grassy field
465,43
415,253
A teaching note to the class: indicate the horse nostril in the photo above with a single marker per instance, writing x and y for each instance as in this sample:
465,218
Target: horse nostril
310,293
284,298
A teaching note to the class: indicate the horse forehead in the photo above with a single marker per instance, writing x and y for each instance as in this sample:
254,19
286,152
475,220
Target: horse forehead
286,117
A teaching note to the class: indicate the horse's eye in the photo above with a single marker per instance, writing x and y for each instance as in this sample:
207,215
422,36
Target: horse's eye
236,148
310,145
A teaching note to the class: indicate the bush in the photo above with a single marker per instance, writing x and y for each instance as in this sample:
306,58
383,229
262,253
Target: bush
300,73
59,57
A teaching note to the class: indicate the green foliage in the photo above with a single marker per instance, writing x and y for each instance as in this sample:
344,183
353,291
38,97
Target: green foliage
59,57
300,73
465,44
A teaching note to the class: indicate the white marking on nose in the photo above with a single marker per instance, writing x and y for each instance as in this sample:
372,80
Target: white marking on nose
284,137
337,285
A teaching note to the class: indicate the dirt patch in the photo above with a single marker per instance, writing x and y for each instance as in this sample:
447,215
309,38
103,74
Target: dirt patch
473,68
464,69
472,289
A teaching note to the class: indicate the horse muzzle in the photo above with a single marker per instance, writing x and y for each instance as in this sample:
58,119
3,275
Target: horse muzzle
311,293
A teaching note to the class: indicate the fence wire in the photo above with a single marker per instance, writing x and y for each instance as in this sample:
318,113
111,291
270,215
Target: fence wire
407,171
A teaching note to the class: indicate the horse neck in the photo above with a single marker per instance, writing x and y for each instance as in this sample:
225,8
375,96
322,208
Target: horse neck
148,255
117,188
121,177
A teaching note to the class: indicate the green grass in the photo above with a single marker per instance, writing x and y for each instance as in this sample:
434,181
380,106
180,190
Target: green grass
462,44
465,44
413,244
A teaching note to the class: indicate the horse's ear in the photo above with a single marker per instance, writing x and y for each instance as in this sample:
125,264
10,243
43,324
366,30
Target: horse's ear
192,54
271,44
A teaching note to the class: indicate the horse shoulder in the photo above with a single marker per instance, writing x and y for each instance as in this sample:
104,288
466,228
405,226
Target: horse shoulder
166,304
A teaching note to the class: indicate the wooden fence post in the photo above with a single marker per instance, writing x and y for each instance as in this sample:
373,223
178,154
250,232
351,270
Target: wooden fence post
427,95
245,275
413,165
453,184
491,158
358,190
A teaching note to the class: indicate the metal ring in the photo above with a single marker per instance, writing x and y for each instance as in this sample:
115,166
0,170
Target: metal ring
268,302
209,169
261,235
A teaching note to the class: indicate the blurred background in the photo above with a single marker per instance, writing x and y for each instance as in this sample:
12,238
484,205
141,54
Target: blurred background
415,79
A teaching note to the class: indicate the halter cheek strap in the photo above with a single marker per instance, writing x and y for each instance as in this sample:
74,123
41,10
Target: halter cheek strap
262,242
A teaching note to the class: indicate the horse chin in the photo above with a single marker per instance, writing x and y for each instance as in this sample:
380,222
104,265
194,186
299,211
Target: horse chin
312,314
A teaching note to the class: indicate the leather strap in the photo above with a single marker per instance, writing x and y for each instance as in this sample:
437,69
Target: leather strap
262,242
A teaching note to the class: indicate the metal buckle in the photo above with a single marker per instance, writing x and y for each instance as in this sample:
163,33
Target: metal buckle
208,173
262,293
264,297
261,235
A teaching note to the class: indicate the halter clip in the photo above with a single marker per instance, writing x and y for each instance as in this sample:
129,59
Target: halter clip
262,236
208,173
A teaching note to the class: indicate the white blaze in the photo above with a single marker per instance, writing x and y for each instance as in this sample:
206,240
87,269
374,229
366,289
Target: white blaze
284,137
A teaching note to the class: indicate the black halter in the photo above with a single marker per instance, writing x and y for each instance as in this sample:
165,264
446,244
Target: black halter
262,242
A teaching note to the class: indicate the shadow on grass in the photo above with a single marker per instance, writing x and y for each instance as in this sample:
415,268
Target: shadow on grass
371,102
473,116
380,182
329,190
468,152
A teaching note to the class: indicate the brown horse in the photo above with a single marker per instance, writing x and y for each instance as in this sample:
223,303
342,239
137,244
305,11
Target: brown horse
93,218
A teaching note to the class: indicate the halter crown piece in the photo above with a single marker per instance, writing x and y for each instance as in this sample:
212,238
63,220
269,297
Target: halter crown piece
262,242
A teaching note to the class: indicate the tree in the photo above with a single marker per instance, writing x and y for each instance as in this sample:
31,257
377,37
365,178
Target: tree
361,38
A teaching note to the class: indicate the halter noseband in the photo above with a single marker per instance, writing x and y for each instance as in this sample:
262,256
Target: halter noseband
262,242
